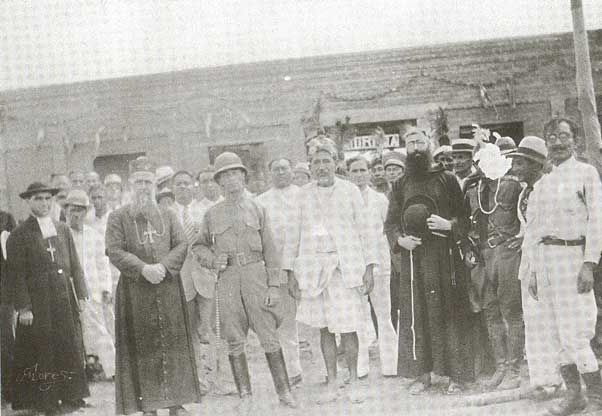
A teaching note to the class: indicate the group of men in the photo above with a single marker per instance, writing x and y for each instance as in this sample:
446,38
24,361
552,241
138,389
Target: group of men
450,253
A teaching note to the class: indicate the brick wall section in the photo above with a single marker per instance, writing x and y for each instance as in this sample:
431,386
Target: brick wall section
166,114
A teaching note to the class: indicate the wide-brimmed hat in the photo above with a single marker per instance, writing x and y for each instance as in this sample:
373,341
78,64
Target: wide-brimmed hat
36,188
532,148
77,198
227,161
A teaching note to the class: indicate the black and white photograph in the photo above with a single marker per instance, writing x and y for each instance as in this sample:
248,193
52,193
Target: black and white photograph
301,207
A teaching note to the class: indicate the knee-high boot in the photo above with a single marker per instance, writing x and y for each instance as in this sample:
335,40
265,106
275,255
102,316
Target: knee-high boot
240,371
280,377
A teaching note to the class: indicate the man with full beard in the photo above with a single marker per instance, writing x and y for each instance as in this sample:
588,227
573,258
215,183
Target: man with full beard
426,218
155,365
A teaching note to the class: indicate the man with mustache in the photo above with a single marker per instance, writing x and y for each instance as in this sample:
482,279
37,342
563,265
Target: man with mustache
426,218
541,346
563,249
155,365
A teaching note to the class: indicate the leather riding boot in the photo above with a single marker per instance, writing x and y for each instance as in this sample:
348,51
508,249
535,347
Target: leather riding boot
280,377
574,401
497,335
593,383
240,371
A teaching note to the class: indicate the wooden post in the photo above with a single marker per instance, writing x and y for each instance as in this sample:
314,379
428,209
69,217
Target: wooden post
585,88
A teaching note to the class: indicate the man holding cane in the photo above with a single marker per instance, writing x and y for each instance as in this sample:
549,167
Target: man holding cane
236,242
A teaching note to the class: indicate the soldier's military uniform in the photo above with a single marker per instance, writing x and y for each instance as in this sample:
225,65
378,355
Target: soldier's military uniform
239,229
495,285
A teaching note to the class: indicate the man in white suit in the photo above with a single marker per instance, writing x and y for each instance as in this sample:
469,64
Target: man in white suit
329,256
376,208
280,202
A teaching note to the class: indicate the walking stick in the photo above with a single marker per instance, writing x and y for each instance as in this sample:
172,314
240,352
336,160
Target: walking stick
412,303
218,330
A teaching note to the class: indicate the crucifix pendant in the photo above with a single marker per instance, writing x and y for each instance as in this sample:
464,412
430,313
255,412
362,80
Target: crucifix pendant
51,250
148,234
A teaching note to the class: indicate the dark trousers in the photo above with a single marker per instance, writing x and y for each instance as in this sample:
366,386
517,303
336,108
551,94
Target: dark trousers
7,341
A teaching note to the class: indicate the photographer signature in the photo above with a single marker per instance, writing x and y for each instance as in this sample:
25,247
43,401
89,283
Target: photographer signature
45,378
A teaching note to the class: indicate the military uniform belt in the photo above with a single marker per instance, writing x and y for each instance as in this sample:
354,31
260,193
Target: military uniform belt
495,240
242,259
553,241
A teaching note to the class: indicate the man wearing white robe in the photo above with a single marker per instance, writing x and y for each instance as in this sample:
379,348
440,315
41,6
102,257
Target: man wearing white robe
88,243
280,202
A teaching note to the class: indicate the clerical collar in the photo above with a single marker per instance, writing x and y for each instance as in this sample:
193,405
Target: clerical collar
46,226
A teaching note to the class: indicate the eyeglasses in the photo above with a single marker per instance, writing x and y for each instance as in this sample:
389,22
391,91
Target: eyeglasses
562,136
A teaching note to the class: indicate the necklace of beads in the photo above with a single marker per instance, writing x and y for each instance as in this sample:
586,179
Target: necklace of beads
495,201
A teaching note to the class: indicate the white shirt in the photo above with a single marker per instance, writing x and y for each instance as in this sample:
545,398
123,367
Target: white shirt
46,226
195,210
90,250
98,223
377,205
567,204
280,205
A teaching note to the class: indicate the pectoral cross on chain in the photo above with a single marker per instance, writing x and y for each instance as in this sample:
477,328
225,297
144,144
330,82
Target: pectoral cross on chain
148,234
51,250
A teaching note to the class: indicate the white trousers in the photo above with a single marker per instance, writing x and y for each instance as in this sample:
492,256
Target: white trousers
387,338
570,315
541,344
97,337
288,333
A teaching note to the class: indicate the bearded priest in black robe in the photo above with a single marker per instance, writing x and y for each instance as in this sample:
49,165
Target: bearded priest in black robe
425,220
155,367
45,284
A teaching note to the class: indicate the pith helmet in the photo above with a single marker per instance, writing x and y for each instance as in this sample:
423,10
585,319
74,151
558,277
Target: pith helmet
227,161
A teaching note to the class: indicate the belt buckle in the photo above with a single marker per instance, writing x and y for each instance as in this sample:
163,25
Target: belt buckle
240,259
489,242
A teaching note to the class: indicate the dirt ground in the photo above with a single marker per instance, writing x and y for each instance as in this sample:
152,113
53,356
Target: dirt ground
385,396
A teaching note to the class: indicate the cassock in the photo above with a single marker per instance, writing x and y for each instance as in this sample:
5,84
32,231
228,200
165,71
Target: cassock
45,276
7,224
155,365
434,324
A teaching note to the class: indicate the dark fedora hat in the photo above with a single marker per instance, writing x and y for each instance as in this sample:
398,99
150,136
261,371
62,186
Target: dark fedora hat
36,188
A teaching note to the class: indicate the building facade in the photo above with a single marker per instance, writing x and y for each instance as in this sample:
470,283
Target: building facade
266,109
